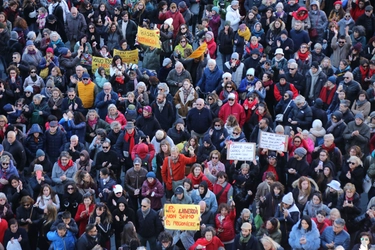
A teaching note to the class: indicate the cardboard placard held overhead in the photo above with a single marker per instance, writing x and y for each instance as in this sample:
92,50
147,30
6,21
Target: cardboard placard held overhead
272,141
241,151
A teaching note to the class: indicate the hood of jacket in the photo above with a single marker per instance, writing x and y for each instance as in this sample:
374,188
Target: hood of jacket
35,128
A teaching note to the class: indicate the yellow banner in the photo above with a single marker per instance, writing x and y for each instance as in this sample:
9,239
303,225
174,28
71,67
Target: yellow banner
129,56
101,62
148,37
182,217
199,51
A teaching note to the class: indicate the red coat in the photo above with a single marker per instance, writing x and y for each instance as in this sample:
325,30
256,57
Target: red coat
120,118
199,179
177,17
236,110
224,195
82,221
227,224
178,169
211,46
320,226
214,244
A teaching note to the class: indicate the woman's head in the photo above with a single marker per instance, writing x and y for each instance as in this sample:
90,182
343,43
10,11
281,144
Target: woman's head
305,223
365,238
27,201
277,188
46,190
349,190
317,198
196,169
304,184
354,162
209,233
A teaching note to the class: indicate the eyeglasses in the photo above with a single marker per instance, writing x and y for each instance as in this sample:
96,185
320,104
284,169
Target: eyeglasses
303,47
26,205
70,188
291,68
182,41
351,163
5,163
229,87
214,157
234,59
91,28
231,100
33,72
119,193
70,95
143,206
27,92
85,79
346,77
341,42
210,99
14,57
249,75
365,239
347,16
235,133
367,10
105,147
49,87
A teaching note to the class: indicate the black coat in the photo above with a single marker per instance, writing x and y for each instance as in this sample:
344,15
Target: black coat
166,117
302,168
298,80
225,42
18,152
53,143
86,242
322,78
252,244
149,125
149,226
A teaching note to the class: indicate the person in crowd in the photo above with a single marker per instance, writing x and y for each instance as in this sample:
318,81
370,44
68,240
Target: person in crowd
335,235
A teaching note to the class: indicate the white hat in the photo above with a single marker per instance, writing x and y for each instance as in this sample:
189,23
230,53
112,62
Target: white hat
169,21
288,199
117,189
227,74
231,96
335,185
250,71
279,51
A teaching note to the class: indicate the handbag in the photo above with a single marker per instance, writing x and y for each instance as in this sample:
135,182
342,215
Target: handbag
44,73
175,184
367,184
280,117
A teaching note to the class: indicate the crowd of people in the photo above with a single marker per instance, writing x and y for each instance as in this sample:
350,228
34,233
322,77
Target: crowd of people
89,156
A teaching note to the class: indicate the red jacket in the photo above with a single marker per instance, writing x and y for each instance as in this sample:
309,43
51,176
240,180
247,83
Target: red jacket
214,244
211,46
177,17
320,226
178,169
199,179
227,225
82,221
224,195
236,110
120,118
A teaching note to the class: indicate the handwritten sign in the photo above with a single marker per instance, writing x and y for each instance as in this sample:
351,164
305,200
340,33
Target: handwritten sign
148,37
182,217
273,141
241,151
101,62
127,56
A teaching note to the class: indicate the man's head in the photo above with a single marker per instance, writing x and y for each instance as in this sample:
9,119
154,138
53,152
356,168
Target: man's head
106,146
231,99
338,225
74,140
246,229
202,206
61,229
74,12
137,163
16,57
263,123
145,204
298,25
211,64
174,153
368,10
179,67
328,140
91,230
348,77
344,106
359,119
11,137
199,103
79,71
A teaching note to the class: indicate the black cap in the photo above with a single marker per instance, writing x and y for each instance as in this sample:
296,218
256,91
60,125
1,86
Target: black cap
179,190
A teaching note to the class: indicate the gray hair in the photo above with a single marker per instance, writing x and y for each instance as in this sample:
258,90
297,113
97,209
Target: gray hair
107,84
112,106
3,196
175,149
211,61
142,85
54,33
31,35
299,99
74,137
164,86
328,137
115,124
340,222
294,65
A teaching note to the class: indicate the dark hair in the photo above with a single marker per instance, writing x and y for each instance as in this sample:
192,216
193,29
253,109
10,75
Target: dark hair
78,117
321,212
61,226
115,58
279,186
222,174
366,234
308,221
89,227
223,205
66,215
12,221
165,237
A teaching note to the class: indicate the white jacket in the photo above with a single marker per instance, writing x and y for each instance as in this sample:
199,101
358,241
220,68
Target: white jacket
234,17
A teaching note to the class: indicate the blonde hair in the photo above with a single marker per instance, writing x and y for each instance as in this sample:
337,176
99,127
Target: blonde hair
349,187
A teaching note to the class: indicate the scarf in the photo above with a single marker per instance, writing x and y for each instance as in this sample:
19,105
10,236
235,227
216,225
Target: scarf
31,52
349,199
303,56
327,94
186,92
302,197
359,103
245,34
64,168
244,240
332,127
92,123
237,62
299,17
152,184
364,73
330,148
129,138
145,213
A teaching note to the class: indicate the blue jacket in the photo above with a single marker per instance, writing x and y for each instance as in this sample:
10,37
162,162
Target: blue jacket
102,105
53,144
62,243
312,237
210,79
244,83
328,236
209,198
32,144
